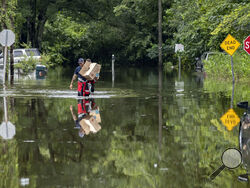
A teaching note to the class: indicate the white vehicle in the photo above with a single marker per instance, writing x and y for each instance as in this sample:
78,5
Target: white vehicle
22,54
207,55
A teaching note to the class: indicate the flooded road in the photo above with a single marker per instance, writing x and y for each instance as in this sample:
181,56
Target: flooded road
130,148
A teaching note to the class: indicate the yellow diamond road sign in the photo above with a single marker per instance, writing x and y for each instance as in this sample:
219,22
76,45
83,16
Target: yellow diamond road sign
230,44
230,119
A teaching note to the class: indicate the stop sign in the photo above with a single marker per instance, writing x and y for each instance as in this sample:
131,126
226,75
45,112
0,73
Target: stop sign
247,44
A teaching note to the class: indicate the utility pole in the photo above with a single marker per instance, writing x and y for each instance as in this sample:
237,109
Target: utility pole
160,33
160,73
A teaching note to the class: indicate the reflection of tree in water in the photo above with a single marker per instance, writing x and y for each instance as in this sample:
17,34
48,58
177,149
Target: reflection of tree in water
124,153
48,146
9,169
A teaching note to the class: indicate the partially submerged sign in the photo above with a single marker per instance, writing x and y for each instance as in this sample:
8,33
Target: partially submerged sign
230,119
230,44
179,48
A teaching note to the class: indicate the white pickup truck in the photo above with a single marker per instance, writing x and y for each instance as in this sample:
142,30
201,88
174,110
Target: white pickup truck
21,54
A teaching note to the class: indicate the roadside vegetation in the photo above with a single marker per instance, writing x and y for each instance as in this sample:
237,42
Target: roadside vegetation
28,65
66,30
219,67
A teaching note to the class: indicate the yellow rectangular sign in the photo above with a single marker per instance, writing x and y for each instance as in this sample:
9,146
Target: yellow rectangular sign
230,44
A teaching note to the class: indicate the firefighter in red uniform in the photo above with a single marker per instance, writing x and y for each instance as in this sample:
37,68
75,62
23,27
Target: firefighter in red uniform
83,86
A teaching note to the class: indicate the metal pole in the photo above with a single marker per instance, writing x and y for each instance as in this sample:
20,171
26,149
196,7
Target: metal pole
232,65
113,70
4,63
179,67
232,97
5,57
5,109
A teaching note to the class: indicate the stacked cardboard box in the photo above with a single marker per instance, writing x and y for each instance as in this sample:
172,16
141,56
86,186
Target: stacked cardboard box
96,114
85,68
90,71
90,124
85,126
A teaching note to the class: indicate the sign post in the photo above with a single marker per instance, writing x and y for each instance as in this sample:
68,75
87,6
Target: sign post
179,48
113,70
230,118
230,45
247,45
7,38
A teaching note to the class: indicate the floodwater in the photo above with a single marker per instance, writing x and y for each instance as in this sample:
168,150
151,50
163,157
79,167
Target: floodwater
133,146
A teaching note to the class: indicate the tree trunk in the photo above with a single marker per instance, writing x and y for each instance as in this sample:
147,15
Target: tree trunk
160,33
32,23
160,75
11,53
11,64
42,18
3,23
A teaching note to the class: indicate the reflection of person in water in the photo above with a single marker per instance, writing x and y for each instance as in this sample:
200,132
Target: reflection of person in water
244,140
77,120
84,108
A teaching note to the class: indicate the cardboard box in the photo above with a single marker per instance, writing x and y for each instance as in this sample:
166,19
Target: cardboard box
90,124
85,68
96,114
93,71
85,126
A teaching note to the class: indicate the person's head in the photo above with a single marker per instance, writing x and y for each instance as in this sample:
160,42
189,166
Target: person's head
81,61
81,133
88,60
40,73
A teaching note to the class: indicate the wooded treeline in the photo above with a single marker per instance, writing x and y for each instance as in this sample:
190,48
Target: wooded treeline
64,30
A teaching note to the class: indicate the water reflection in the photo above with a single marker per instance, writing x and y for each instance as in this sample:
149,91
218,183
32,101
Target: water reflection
47,151
88,117
244,142
7,129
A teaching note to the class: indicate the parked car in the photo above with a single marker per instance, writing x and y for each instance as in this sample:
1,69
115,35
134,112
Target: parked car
199,65
21,54
207,55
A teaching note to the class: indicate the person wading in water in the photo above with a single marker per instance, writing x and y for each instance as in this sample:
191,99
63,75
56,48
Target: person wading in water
83,89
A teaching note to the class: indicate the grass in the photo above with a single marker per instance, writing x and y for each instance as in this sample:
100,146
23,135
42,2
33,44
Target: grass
219,66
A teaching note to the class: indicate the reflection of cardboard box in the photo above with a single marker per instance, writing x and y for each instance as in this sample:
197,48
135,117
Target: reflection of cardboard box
85,126
93,71
90,124
96,114
85,68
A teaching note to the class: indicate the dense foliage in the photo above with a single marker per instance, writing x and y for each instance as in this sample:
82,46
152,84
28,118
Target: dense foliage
66,30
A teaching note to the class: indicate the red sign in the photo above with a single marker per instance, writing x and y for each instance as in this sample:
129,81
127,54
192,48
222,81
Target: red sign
247,44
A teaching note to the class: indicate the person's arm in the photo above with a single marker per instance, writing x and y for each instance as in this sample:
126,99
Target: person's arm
71,83
72,113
